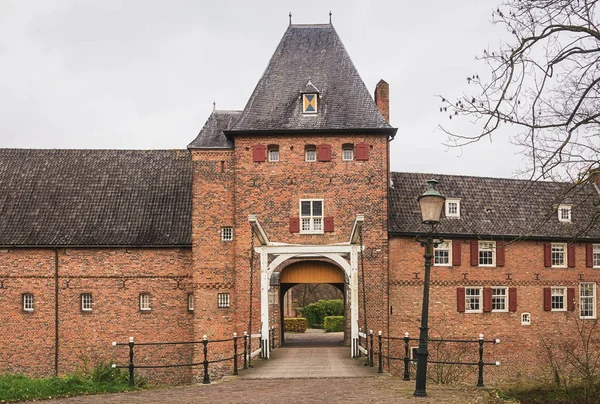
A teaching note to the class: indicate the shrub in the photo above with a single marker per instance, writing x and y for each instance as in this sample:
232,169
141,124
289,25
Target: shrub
315,313
334,323
294,324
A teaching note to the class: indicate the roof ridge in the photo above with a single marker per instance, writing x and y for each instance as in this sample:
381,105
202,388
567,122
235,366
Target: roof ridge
477,176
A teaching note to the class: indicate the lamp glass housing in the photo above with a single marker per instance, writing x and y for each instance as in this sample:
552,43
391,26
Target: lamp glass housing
431,204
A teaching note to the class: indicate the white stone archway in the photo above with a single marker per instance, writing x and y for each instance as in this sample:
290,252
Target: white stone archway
344,255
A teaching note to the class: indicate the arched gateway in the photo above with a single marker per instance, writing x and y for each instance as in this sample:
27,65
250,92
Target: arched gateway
274,255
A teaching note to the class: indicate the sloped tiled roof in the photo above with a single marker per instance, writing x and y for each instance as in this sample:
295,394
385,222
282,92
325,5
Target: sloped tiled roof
496,207
211,136
315,53
95,197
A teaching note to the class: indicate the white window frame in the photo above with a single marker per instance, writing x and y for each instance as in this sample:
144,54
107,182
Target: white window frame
304,111
145,302
564,213
486,246
226,233
596,256
87,302
526,318
564,254
449,211
315,223
348,149
564,300
445,246
310,154
28,302
190,301
468,297
223,300
591,298
505,309
273,153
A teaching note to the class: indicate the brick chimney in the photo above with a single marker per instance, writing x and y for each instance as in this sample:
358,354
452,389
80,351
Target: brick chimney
382,99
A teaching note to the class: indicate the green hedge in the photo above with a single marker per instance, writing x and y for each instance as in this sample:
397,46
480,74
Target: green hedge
315,313
294,324
334,323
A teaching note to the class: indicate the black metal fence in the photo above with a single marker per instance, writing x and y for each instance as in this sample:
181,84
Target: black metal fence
369,351
246,354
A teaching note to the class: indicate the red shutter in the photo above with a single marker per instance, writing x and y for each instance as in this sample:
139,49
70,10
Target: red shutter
589,255
460,300
512,299
547,255
571,256
324,152
474,253
328,223
571,299
259,153
487,299
547,299
456,253
362,152
500,254
294,224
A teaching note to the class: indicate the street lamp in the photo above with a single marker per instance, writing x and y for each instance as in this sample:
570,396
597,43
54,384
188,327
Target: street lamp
431,204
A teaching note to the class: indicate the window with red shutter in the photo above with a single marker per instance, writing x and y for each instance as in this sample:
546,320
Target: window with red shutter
547,255
324,152
259,153
294,225
456,253
328,223
512,299
362,152
589,255
487,299
547,299
460,300
571,299
474,253
500,254
571,256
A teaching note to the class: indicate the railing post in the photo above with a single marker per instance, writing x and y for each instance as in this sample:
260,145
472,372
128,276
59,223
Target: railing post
380,352
273,336
371,349
235,354
406,357
245,349
206,379
480,380
358,344
131,366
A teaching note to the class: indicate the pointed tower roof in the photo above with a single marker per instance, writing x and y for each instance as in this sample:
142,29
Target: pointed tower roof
310,54
211,136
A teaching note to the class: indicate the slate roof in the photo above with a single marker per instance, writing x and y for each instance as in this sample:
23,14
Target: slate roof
95,197
211,136
315,53
496,207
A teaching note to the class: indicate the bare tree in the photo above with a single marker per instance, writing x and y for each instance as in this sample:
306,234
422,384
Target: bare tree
544,82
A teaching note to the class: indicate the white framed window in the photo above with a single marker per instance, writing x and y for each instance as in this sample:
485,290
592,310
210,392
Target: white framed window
525,318
190,301
348,152
559,255
487,253
452,207
559,298
564,213
587,300
311,216
223,300
473,300
27,302
226,233
596,256
442,254
310,153
86,302
145,302
499,299
273,153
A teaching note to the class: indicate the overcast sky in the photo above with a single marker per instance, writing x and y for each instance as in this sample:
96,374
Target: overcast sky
144,74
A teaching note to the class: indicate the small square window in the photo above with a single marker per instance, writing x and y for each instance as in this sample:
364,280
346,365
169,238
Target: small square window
273,153
442,254
310,153
487,253
564,213
525,319
86,302
28,302
559,255
559,296
226,233
348,153
223,300
145,302
473,300
309,103
452,207
190,301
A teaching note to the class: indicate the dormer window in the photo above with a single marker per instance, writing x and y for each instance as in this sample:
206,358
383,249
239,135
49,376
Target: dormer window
564,213
309,103
452,207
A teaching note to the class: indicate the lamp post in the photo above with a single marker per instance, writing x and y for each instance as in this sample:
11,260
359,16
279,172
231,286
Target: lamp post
431,204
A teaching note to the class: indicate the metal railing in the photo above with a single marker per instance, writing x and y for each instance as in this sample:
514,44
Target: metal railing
235,340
